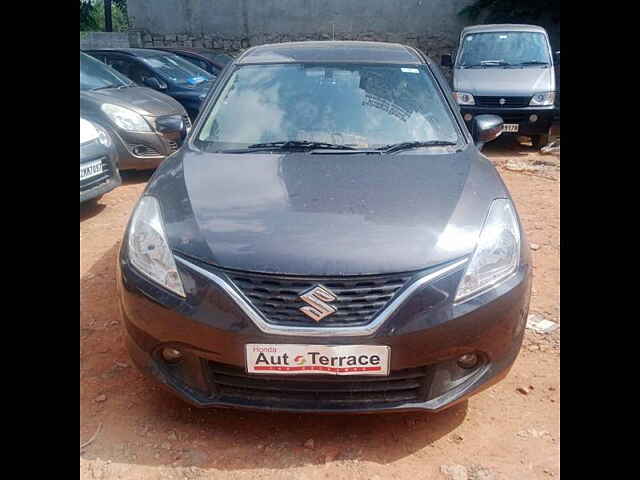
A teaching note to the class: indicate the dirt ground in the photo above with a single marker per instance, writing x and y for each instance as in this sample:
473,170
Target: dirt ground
510,431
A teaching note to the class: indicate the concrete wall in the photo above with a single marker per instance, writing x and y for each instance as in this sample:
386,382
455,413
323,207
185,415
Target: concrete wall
104,40
432,25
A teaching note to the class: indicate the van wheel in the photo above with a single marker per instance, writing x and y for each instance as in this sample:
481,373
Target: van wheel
539,141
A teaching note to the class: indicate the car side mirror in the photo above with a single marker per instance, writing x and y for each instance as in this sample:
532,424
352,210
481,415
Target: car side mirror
153,82
446,60
486,128
556,54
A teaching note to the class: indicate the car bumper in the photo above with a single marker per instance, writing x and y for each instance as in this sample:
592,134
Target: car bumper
520,116
154,148
98,186
101,189
211,331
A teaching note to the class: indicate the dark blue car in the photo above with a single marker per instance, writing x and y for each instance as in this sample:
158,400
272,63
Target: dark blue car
162,71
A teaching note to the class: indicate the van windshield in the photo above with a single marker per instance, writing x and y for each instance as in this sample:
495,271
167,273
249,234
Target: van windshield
355,105
504,49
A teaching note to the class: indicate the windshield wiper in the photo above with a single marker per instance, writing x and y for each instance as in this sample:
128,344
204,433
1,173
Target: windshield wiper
495,63
300,144
106,86
533,62
395,147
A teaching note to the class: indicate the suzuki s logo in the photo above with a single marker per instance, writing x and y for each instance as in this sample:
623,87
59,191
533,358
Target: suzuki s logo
317,298
502,101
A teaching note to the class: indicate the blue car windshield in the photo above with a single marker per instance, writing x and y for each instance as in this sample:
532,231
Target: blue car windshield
358,105
176,69
504,48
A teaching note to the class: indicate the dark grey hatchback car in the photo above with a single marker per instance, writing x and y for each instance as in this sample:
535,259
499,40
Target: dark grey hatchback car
329,239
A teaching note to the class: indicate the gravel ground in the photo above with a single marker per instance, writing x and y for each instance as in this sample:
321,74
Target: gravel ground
509,431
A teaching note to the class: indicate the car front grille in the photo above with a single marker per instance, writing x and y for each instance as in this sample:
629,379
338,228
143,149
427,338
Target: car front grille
509,102
173,145
358,301
91,182
187,121
234,385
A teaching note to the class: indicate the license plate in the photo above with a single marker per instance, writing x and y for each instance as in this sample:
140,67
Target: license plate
510,127
291,359
90,169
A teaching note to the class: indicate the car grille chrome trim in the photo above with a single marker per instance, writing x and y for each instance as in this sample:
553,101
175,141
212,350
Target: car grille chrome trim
361,330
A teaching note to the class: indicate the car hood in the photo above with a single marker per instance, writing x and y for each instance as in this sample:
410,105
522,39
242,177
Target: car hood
327,214
142,100
495,81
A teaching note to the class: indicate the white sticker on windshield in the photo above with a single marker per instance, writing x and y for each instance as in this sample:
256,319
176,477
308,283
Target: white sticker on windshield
502,36
410,70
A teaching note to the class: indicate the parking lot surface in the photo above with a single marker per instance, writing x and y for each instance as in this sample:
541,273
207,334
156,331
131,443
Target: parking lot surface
509,431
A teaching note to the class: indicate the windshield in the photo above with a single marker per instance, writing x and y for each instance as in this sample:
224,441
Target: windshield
95,74
177,70
504,48
362,106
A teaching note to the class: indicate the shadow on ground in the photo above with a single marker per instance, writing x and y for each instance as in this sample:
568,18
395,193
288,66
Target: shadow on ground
145,425
130,177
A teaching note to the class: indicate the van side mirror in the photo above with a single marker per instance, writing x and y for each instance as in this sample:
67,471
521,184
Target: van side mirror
153,82
446,60
486,128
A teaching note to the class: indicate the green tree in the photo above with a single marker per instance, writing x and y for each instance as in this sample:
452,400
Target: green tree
92,16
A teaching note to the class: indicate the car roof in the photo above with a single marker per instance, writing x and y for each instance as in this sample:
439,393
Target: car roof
135,52
331,51
212,56
502,27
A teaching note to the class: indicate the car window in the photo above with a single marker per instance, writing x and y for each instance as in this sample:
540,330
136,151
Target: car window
95,74
196,61
359,105
513,48
176,70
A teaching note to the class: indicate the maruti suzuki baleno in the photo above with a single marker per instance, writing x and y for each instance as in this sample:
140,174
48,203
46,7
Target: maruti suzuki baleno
328,239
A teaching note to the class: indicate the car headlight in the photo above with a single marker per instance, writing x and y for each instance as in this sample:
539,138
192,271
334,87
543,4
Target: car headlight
541,99
103,136
497,252
464,98
148,249
126,119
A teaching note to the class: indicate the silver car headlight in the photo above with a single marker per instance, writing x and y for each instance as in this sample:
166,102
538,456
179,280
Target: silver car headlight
497,252
148,248
464,98
542,99
103,136
125,119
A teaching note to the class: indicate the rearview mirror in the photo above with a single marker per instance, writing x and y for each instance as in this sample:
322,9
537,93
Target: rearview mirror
486,128
446,60
154,83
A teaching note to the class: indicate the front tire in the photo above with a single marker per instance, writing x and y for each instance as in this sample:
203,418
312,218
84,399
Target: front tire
539,141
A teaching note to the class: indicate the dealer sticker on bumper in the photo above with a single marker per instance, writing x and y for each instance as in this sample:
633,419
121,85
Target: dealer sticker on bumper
289,359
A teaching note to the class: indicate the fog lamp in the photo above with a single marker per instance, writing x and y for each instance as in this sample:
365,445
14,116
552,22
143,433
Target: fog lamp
533,118
468,360
467,117
171,355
